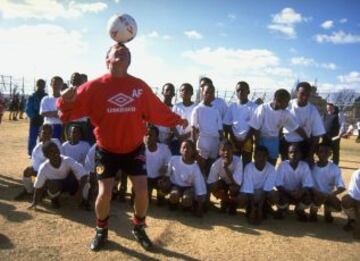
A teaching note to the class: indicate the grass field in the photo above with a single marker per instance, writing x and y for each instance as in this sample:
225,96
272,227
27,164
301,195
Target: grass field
48,234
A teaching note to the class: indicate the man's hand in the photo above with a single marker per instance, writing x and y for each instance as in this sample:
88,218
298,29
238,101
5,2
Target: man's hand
184,123
69,95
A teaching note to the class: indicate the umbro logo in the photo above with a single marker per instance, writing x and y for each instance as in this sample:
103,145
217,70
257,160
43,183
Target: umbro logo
121,100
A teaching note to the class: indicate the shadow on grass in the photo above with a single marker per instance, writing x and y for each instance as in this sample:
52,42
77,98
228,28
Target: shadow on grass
13,215
5,242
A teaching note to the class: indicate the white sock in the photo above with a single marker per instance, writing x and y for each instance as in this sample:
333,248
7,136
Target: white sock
28,185
85,192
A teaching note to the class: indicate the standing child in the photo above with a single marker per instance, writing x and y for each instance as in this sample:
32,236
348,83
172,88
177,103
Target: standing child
166,133
269,119
308,118
37,158
259,184
218,103
187,183
48,107
206,130
75,148
351,205
326,177
157,158
236,122
225,178
183,109
294,183
60,174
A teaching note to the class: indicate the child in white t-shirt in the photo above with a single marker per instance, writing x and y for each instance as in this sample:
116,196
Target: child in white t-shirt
269,118
37,158
60,174
188,186
157,159
351,205
259,184
75,148
48,107
225,178
308,117
184,109
294,183
327,177
206,130
236,122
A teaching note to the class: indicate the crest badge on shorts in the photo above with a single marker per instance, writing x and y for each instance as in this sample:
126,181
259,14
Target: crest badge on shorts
100,169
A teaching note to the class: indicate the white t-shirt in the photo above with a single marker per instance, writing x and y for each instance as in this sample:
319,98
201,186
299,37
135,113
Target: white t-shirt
48,103
238,116
77,152
186,175
157,159
270,121
291,179
207,120
327,178
217,171
354,185
90,160
37,155
185,113
220,105
47,171
308,118
255,179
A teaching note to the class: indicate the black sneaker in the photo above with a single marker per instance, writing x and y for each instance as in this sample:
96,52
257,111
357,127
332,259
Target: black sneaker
223,206
140,235
55,203
100,239
349,225
301,215
313,217
232,209
328,217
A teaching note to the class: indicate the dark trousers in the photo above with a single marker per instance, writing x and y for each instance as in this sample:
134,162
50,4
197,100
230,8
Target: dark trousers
33,135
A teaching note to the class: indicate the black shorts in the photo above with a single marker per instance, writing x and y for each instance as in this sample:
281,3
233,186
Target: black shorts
107,164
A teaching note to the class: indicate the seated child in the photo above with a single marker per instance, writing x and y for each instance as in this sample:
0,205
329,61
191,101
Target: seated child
37,158
294,183
157,158
225,178
60,174
75,148
259,184
327,177
188,186
351,205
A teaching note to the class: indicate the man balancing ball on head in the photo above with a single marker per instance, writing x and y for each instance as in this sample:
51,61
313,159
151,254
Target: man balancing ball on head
118,105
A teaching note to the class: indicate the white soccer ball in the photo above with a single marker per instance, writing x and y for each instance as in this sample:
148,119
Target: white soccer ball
122,28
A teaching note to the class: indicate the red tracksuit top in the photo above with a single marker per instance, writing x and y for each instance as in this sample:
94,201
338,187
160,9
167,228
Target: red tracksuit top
118,108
